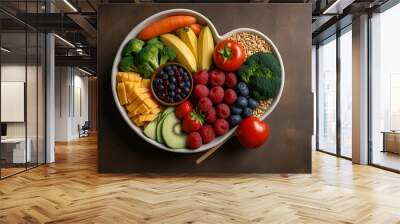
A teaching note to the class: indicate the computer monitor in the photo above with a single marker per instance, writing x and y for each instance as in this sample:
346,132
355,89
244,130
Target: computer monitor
3,130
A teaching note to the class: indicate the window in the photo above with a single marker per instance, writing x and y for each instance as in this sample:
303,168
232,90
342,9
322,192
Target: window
385,89
346,92
327,96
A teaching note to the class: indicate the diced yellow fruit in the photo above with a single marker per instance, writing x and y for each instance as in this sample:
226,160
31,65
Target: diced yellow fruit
150,103
155,110
122,93
132,106
132,76
146,83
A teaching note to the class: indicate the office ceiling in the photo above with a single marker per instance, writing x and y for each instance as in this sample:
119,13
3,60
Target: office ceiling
79,27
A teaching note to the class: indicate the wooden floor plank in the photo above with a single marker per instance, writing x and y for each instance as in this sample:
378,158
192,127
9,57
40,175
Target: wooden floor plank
71,191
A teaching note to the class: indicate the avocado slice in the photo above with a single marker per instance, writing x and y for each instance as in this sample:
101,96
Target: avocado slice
150,129
172,132
159,137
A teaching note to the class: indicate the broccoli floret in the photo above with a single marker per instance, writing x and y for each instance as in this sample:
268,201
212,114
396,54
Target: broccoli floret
133,46
127,64
262,72
262,87
149,55
155,42
166,54
146,70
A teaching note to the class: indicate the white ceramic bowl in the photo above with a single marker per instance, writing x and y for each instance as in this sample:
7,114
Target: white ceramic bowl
217,38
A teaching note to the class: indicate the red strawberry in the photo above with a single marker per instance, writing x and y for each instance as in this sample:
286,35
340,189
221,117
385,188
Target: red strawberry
220,126
217,78
200,91
200,77
207,133
216,94
210,115
183,109
223,111
192,121
230,80
230,96
193,140
204,104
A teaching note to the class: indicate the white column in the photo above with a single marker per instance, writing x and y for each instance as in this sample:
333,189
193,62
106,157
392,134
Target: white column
360,90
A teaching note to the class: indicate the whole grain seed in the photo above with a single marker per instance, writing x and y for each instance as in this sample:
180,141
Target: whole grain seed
251,43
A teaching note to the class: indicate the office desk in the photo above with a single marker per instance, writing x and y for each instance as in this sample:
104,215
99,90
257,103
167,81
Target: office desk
13,150
391,141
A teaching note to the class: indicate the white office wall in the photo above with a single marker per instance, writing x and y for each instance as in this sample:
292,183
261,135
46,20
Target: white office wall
71,102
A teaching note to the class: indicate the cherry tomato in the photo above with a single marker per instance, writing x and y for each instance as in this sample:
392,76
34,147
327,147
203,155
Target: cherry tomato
183,109
228,55
252,132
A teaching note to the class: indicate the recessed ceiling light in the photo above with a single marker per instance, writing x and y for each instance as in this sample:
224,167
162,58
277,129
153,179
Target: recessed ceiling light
70,5
5,50
64,40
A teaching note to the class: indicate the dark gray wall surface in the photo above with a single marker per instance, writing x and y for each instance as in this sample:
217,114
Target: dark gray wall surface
289,148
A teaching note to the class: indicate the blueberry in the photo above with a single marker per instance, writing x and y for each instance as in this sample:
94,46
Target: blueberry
165,83
235,120
171,93
164,76
188,84
186,78
170,72
182,84
174,67
185,74
160,88
241,102
253,103
247,112
178,98
172,79
162,72
172,86
163,95
236,110
183,95
158,81
178,90
186,90
242,89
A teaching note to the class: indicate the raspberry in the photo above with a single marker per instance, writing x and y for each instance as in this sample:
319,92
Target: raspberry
200,91
223,111
230,80
230,96
210,115
217,78
220,126
204,104
193,140
216,94
207,133
200,77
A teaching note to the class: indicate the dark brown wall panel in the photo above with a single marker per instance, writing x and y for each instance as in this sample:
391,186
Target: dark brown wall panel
289,147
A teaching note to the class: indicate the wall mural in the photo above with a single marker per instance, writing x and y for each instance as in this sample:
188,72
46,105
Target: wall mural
184,88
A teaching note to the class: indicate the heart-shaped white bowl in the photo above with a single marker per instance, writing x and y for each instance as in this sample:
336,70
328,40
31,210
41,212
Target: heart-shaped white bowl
204,20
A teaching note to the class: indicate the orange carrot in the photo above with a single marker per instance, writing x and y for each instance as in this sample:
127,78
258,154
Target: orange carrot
166,25
196,28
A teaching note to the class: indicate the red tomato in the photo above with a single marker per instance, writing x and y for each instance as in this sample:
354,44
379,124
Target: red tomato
252,132
183,109
228,55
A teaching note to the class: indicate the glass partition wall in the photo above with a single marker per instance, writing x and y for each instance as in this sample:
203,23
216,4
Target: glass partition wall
334,93
22,99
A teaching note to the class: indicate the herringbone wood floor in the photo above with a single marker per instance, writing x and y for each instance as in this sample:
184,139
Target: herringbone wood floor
71,191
